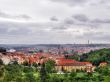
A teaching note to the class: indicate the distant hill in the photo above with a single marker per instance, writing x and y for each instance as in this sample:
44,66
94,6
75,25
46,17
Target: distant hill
53,45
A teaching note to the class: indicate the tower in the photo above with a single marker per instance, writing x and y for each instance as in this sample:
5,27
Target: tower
88,41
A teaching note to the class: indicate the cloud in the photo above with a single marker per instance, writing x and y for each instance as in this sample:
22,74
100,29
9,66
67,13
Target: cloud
81,17
101,21
71,2
83,3
3,30
13,29
84,20
69,21
54,18
79,21
9,16
97,36
19,31
54,21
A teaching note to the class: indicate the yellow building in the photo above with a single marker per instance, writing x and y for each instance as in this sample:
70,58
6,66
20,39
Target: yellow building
70,65
103,64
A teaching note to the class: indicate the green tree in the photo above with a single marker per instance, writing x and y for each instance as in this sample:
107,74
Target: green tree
27,69
49,65
43,73
104,71
73,73
97,56
66,80
35,65
1,62
1,68
12,72
1,71
25,63
107,79
30,77
55,79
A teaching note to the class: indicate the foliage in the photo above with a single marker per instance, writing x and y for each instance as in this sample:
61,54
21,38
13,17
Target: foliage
73,73
54,79
107,79
25,63
24,73
104,71
96,57
75,57
30,77
49,66
1,71
43,73
27,69
1,62
12,72
35,65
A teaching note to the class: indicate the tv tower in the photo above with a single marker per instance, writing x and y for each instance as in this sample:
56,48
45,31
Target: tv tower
88,41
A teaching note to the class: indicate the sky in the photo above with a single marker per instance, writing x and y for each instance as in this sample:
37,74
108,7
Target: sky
54,21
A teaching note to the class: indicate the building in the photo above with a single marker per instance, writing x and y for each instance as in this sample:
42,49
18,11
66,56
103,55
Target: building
103,64
70,65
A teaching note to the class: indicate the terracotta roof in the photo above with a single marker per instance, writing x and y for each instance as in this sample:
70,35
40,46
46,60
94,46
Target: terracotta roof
103,63
31,60
70,62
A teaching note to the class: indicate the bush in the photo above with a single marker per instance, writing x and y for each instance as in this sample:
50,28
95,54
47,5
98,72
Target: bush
28,69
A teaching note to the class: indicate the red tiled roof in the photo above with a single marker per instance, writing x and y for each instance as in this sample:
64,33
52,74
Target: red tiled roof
70,62
103,63
31,60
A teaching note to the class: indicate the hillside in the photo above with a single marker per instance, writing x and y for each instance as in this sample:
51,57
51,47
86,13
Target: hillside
102,55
